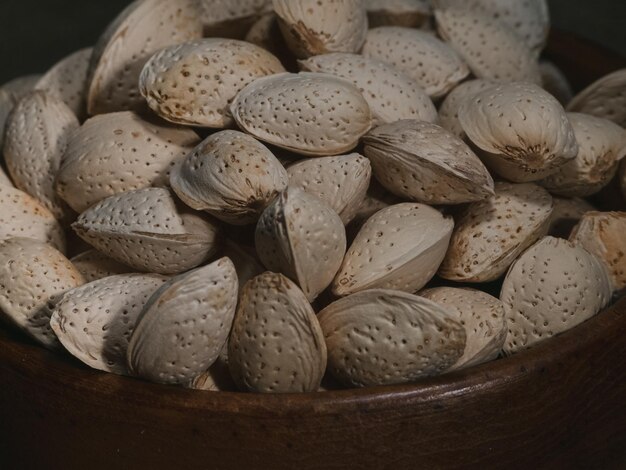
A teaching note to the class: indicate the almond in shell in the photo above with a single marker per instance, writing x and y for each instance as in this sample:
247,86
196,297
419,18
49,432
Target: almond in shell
400,247
149,231
94,266
605,98
433,64
449,109
481,315
341,182
276,345
424,162
184,325
551,288
384,337
390,94
195,82
523,131
300,236
308,113
231,18
36,139
230,175
491,234
94,322
33,277
313,27
114,153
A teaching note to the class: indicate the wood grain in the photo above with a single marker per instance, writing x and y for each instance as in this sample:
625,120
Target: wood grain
559,405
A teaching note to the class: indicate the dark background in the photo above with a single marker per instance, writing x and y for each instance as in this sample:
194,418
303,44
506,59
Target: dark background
34,34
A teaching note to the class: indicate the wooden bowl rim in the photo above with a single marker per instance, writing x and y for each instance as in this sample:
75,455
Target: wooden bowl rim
45,367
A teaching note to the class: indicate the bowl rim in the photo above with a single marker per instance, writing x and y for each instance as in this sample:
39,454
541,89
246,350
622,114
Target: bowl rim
23,358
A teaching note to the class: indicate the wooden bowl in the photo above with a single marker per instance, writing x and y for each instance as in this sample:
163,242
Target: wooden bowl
559,405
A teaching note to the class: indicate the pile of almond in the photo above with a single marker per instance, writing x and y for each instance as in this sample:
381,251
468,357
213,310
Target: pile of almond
260,195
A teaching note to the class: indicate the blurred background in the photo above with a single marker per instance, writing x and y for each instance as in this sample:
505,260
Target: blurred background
34,34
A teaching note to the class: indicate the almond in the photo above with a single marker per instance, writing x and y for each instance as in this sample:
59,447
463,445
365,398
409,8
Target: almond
434,65
551,288
449,109
246,262
400,247
601,144
384,337
481,315
265,33
555,82
7,101
194,83
313,27
604,98
523,130
276,345
230,175
216,379
231,18
21,86
33,277
94,266
94,322
529,19
143,28
67,81
406,13
148,231
491,50
307,113
23,216
37,136
390,94
114,153
491,234
301,237
423,162
184,325
602,234
567,212
341,182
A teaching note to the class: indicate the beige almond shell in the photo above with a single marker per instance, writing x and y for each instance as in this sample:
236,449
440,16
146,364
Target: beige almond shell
230,175
341,182
423,162
385,337
231,18
185,324
313,27
23,216
433,64
67,81
307,113
604,98
148,231
33,277
527,19
491,50
140,30
491,234
603,234
118,152
195,82
265,33
405,13
94,266
449,109
567,212
276,345
400,248
601,144
390,94
523,130
483,317
94,322
10,93
246,261
7,101
301,237
376,199
36,139
551,288
216,379
555,82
